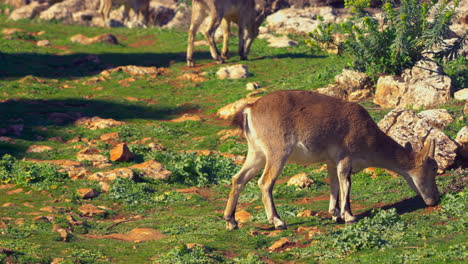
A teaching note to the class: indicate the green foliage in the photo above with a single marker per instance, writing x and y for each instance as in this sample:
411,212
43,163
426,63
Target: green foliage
86,256
163,131
194,170
183,255
38,175
383,229
130,192
129,133
455,205
395,45
457,70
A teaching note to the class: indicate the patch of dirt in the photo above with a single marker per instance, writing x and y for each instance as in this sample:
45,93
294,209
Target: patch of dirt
203,192
309,200
136,235
199,66
431,209
145,41
61,47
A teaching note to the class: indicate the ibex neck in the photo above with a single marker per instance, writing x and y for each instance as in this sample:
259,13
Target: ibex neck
393,156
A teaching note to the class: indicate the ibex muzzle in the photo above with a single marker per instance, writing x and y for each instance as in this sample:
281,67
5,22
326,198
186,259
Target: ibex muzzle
306,127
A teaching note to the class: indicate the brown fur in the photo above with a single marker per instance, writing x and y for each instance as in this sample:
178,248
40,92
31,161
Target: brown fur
223,12
140,7
306,127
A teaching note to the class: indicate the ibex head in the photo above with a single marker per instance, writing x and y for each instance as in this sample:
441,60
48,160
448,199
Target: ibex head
424,173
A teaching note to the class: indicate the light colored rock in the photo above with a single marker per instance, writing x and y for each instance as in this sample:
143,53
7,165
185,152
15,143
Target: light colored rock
230,110
404,126
43,43
136,71
103,38
97,160
439,118
237,71
138,235
307,213
85,15
64,10
121,152
28,11
64,234
181,20
87,193
300,180
279,244
282,42
96,122
252,86
152,169
301,21
187,117
110,138
242,216
109,176
462,140
461,95
421,86
91,210
38,149
349,85
193,77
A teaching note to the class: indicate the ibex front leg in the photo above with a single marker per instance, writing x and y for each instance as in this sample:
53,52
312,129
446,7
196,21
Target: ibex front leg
344,175
253,164
225,25
333,208
198,15
214,23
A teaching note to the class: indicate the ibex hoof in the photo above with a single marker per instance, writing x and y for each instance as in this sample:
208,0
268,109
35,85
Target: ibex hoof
190,63
224,56
279,224
231,225
220,61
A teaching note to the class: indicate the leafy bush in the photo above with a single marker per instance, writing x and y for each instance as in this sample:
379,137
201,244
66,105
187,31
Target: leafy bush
190,169
130,192
38,175
382,229
455,205
163,131
129,133
183,255
406,32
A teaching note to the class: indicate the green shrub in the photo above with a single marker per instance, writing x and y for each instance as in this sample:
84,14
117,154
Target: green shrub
128,133
408,30
130,192
193,170
183,255
38,175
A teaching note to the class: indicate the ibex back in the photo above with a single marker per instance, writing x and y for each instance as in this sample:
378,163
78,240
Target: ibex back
224,12
306,127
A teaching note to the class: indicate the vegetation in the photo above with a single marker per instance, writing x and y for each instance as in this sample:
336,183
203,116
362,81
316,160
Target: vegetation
44,90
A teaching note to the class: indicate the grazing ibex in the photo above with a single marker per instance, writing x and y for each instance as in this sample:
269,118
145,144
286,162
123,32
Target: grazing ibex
307,127
140,7
241,12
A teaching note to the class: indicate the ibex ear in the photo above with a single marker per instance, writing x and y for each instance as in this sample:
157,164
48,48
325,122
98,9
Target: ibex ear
429,150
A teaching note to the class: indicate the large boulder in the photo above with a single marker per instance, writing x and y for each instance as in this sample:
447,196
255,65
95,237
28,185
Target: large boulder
349,85
424,86
301,21
405,126
28,11
462,140
66,9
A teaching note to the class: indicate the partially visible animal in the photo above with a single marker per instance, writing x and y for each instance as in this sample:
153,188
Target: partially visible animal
140,7
306,127
223,12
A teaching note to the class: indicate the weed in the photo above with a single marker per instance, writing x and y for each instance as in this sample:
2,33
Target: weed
183,255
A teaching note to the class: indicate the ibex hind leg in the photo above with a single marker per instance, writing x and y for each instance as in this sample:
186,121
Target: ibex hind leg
333,208
225,25
254,162
209,34
344,176
197,19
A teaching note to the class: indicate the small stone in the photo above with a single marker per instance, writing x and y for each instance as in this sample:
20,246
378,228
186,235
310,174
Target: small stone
242,216
307,213
8,205
121,153
87,193
49,209
38,149
103,38
252,86
43,43
91,210
461,95
109,176
281,42
152,169
301,180
238,71
187,117
279,244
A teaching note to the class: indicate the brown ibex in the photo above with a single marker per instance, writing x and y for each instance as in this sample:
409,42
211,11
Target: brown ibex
307,127
241,12
140,7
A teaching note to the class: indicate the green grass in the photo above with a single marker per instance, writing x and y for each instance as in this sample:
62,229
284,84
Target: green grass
60,70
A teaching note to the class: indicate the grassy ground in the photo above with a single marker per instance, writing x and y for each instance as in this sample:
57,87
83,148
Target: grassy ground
403,231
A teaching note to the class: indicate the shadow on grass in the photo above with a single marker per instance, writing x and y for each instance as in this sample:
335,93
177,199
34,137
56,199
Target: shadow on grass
407,205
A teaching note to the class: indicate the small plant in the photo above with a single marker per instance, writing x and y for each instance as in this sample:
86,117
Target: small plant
184,255
129,133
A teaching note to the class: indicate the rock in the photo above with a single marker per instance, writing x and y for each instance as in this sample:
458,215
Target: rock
404,126
64,235
242,216
85,16
462,140
96,122
152,169
307,213
109,176
279,244
227,133
38,149
43,43
28,11
65,9
465,109
49,209
121,153
439,118
87,193
138,235
349,85
126,82
9,205
181,19
461,95
237,71
421,86
136,71
252,86
103,38
110,138
91,210
301,21
230,110
160,14
281,42
192,76
97,160
74,169
187,117
300,180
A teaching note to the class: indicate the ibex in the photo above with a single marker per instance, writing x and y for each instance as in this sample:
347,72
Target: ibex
307,127
140,7
224,12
